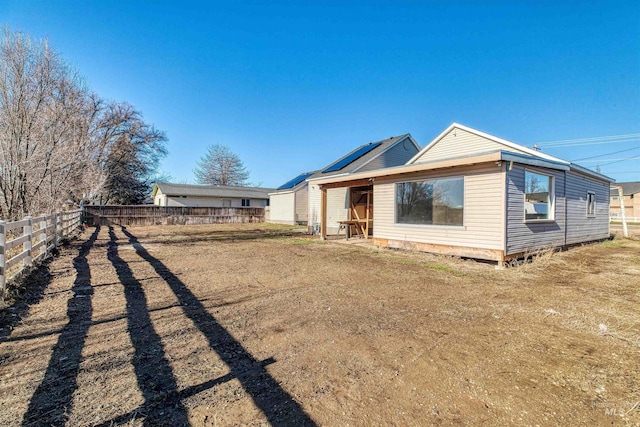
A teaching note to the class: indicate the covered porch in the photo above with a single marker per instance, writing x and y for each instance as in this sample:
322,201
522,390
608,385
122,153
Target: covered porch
359,220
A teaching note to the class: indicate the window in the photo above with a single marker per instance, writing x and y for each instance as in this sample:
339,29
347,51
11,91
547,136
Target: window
538,196
591,204
615,197
431,202
246,202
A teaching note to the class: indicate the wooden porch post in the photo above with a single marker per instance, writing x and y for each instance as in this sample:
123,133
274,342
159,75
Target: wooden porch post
323,213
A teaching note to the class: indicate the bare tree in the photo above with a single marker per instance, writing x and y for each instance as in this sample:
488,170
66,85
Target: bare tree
59,141
220,166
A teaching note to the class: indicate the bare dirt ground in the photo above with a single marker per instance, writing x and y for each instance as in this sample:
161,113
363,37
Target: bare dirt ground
256,325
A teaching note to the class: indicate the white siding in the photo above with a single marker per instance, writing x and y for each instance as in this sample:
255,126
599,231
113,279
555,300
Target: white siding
483,212
525,236
193,201
459,143
282,208
314,207
337,207
301,205
580,228
397,155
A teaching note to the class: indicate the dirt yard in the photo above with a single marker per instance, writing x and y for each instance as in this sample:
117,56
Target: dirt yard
257,324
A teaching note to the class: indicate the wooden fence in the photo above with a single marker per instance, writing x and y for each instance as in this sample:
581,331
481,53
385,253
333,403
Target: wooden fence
36,237
168,215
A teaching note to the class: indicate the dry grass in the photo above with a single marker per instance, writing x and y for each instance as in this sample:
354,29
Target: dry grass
255,324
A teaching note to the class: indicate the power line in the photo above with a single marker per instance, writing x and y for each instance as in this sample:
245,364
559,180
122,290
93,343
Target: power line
607,154
592,139
578,144
622,160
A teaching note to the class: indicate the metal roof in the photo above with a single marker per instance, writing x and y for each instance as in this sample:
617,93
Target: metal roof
221,191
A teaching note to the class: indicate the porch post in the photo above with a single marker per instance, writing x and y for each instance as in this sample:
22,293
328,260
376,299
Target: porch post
323,213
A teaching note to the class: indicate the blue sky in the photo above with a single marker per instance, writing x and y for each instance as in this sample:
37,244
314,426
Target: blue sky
291,86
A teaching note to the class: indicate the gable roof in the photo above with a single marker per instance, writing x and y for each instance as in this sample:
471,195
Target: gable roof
504,142
211,191
358,162
628,188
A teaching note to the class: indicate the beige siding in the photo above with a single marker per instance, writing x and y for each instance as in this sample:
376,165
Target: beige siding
301,205
282,208
396,156
526,236
483,212
581,228
458,143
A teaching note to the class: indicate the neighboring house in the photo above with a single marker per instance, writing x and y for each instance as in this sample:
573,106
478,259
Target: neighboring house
166,194
631,194
295,202
472,194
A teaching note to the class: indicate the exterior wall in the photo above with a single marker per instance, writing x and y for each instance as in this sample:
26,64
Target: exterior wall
337,207
301,205
211,202
458,143
281,208
526,236
631,209
581,228
483,223
160,199
314,208
398,155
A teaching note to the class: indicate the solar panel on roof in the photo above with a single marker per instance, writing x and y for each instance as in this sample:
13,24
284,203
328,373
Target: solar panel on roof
295,181
352,157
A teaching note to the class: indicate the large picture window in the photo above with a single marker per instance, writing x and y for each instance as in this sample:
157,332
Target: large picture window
538,194
432,202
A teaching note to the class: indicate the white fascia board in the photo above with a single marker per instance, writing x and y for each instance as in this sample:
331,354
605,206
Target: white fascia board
508,156
491,138
311,180
591,173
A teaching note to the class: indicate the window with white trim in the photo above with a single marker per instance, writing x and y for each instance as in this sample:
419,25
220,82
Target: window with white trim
591,204
538,196
246,202
431,202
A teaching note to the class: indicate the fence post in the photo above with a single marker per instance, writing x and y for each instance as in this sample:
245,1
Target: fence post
55,230
3,274
26,246
43,236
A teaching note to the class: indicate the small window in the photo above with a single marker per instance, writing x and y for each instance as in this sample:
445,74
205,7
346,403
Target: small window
538,196
615,197
246,202
591,204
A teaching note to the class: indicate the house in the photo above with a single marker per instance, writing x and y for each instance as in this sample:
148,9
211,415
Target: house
166,194
296,203
631,194
472,194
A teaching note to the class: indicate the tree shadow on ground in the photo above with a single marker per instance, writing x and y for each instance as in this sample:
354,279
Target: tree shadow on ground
275,403
153,372
52,400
